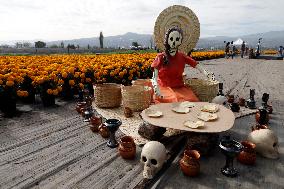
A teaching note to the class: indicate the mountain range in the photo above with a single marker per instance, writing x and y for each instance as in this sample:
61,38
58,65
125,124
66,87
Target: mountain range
272,39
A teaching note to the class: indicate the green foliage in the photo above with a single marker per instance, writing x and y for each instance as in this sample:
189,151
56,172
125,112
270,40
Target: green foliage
40,44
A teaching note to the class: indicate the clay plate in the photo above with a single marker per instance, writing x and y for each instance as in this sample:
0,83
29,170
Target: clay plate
206,116
153,113
194,124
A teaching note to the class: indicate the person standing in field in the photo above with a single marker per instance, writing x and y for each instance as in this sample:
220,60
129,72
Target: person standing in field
281,51
243,48
227,50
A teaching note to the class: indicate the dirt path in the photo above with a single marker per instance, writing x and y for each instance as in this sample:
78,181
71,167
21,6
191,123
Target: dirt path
54,148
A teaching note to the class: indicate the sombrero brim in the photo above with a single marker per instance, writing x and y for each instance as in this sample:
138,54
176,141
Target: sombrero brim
184,18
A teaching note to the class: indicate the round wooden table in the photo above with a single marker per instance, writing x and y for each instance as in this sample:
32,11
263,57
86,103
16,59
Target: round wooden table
171,119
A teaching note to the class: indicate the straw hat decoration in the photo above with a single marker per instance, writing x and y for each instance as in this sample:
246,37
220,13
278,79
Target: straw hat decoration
182,17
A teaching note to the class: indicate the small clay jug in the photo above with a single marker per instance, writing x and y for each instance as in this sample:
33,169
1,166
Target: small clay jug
128,112
80,105
127,148
248,154
231,98
189,164
242,102
103,130
96,121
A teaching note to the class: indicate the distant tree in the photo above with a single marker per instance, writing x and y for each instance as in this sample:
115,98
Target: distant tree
4,46
78,46
151,42
70,46
18,45
88,46
62,44
101,40
40,44
27,44
53,46
135,44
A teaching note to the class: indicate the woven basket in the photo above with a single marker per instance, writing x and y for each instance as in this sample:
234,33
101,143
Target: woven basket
107,95
205,90
136,97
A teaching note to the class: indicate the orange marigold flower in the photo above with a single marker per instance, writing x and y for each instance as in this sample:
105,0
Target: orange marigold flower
55,92
64,74
10,83
49,91
71,82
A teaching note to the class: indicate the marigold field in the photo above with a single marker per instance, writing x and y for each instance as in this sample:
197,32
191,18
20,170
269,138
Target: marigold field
24,72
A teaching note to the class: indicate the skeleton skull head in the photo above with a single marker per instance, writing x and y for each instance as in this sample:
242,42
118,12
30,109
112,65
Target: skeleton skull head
173,39
153,156
266,142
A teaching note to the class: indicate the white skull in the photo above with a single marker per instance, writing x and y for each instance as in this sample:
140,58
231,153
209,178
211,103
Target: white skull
266,143
153,156
174,42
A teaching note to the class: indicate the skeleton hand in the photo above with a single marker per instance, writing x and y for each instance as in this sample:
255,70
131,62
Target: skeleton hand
210,76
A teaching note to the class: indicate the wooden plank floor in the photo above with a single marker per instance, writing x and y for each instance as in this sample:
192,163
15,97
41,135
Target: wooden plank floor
54,148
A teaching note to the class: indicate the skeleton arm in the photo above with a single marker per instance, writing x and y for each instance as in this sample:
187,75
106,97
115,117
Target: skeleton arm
208,74
155,83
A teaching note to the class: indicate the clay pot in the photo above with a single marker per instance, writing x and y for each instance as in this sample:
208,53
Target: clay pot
248,154
127,148
80,105
189,164
242,101
103,130
231,98
96,122
128,112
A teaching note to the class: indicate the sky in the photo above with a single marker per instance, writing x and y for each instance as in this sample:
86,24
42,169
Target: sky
72,19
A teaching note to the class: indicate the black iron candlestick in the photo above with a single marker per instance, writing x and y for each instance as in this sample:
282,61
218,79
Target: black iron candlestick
230,148
251,101
112,125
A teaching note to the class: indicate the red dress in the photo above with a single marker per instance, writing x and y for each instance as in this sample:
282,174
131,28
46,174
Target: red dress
170,79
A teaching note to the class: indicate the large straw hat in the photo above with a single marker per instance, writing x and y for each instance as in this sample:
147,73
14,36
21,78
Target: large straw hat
182,17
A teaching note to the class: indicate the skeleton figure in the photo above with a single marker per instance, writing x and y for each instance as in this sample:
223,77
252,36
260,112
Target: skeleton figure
153,156
172,41
266,142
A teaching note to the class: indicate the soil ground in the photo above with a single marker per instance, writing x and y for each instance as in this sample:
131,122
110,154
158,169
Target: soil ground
54,148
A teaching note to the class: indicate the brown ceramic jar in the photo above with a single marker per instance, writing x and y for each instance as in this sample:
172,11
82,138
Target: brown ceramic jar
96,122
189,164
103,130
127,148
80,105
242,101
248,154
127,112
231,98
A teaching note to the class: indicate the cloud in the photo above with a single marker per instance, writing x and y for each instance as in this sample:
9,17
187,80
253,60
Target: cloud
70,19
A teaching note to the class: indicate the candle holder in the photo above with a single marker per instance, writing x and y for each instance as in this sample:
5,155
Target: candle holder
230,148
251,101
112,125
